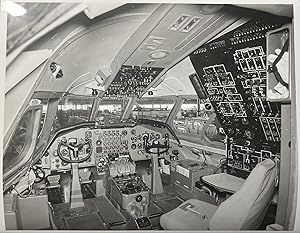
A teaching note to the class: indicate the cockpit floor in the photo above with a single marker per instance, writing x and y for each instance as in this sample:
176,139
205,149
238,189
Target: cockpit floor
104,213
100,214
86,222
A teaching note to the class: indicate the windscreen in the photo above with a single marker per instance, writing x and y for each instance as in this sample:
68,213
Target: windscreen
110,109
72,110
156,108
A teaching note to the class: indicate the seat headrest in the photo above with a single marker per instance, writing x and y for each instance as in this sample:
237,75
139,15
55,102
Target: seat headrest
245,209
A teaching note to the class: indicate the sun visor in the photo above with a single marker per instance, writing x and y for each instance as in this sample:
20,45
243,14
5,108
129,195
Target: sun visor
18,70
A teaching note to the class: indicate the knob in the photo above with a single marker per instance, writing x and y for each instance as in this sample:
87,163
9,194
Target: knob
130,186
139,198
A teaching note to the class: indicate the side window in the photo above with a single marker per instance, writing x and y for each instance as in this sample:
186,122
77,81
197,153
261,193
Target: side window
20,146
212,132
154,108
193,120
17,142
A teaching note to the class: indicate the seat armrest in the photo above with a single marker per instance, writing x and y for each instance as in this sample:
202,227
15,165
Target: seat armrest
224,182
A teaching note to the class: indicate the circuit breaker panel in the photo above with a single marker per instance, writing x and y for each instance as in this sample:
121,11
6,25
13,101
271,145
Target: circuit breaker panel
233,71
131,81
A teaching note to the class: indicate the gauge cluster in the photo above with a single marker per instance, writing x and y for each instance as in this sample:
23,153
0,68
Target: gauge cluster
97,146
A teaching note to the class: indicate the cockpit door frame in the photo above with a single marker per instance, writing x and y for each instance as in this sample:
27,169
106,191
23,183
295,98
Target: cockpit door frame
287,207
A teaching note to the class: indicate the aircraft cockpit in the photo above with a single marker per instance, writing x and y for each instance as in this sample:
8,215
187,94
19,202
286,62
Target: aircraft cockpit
152,117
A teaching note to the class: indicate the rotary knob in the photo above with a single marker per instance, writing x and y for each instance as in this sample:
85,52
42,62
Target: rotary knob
139,198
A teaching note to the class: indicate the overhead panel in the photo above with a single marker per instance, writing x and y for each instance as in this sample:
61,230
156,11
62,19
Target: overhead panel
131,81
170,34
182,28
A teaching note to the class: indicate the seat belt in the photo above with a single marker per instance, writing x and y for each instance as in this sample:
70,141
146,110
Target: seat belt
273,68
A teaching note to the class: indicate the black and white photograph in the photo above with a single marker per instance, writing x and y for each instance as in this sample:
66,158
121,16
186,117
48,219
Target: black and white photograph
125,116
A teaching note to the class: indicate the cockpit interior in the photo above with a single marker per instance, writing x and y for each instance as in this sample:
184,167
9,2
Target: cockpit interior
150,116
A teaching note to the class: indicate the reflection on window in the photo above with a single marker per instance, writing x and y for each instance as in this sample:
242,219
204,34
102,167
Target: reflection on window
153,108
213,132
110,109
17,142
192,118
71,111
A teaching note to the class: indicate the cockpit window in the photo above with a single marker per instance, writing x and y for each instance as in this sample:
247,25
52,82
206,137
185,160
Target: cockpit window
110,109
196,118
190,119
72,110
212,132
17,142
153,108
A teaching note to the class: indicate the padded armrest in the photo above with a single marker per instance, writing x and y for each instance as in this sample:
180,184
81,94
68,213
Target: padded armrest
224,182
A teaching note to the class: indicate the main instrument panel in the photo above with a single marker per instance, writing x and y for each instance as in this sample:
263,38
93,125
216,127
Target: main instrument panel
104,144
233,71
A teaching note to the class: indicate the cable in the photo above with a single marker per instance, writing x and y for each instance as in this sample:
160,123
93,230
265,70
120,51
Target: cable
274,69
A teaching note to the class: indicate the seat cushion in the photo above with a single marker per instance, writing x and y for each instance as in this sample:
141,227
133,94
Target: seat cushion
190,215
245,209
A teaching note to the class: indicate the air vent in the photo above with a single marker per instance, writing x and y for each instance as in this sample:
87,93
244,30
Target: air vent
159,54
191,24
148,63
156,40
179,22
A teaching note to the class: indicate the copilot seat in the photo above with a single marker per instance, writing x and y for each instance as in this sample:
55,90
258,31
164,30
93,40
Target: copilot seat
244,210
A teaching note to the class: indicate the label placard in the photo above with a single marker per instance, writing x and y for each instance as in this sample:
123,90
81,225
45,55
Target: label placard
183,171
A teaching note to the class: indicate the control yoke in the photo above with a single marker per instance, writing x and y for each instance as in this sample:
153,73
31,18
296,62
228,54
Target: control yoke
74,152
156,147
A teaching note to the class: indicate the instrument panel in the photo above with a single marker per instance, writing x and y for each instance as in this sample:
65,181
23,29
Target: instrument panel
104,145
233,72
